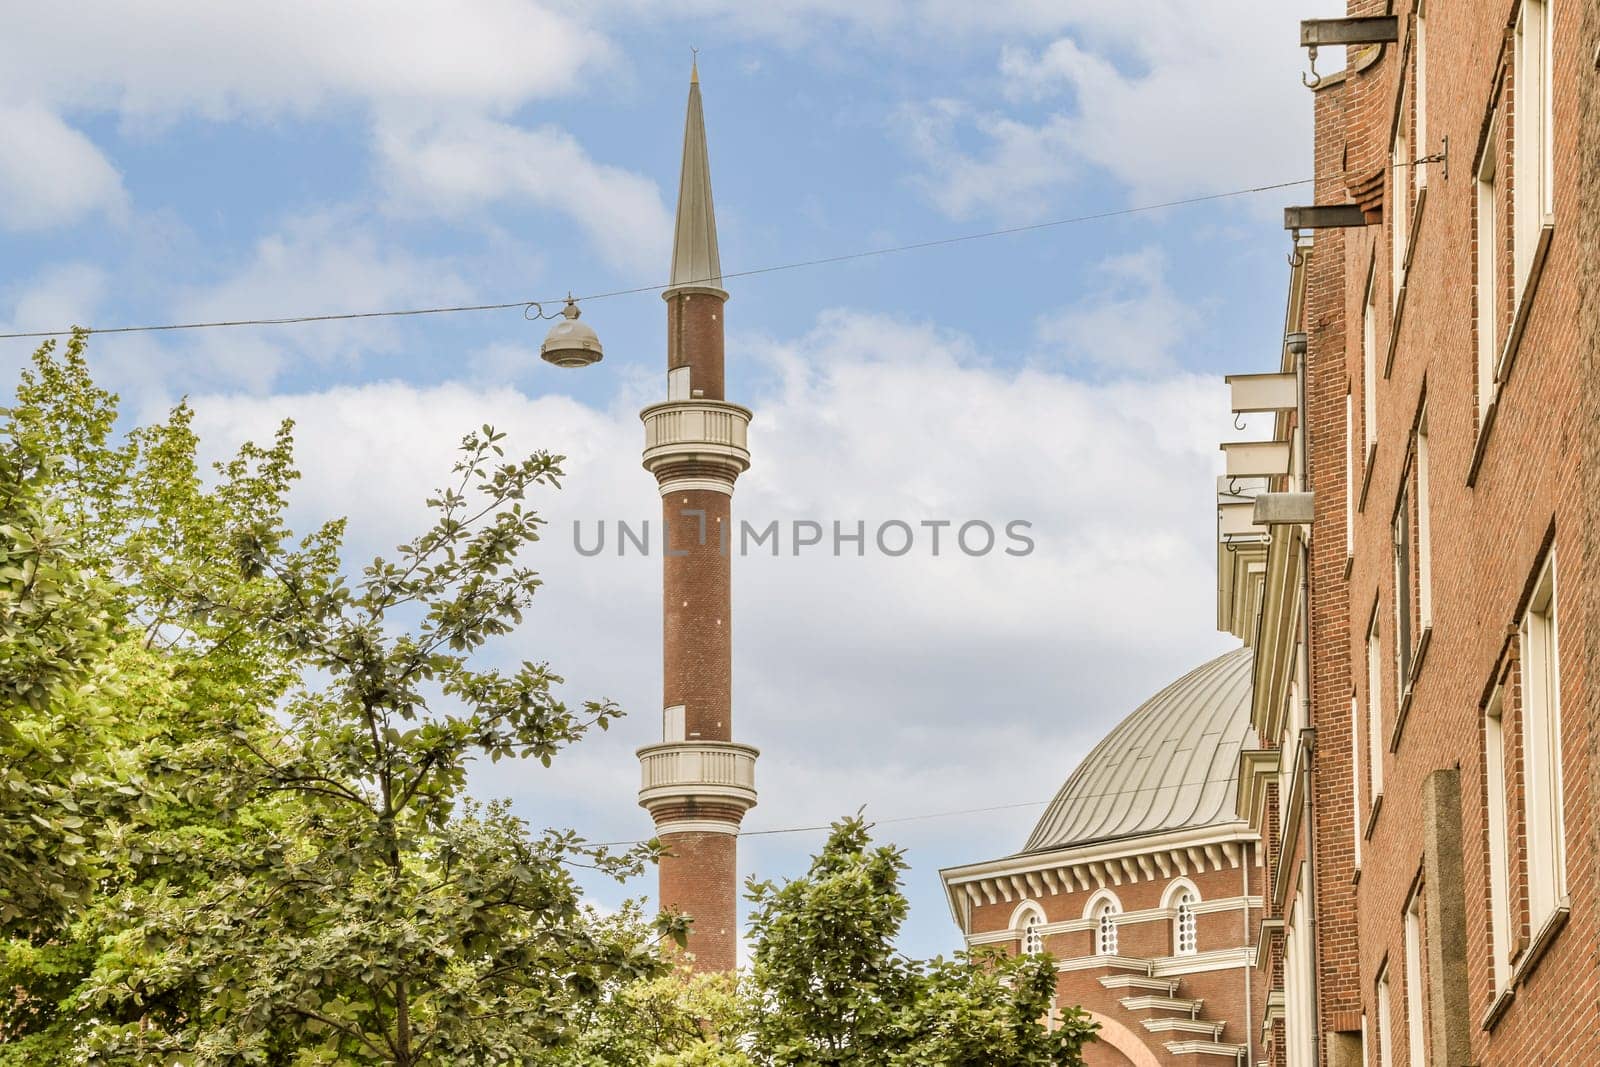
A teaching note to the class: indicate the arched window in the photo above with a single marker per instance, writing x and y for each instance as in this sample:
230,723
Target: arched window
1105,928
1032,935
1184,938
1028,921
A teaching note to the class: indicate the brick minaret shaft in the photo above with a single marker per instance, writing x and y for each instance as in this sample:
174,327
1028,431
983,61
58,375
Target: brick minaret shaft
697,783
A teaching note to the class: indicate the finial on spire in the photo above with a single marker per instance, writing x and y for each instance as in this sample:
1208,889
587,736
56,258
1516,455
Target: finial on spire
694,65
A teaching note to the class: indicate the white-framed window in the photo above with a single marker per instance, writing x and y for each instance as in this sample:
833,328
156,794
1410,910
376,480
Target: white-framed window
1369,364
1421,49
1400,185
1541,751
1416,994
1355,776
1105,914
1032,936
1185,937
1349,474
1424,527
1375,743
1180,899
1532,133
1385,1021
1028,922
1403,568
1488,242
1494,772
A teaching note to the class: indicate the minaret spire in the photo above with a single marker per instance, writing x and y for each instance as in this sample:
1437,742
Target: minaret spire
697,782
694,246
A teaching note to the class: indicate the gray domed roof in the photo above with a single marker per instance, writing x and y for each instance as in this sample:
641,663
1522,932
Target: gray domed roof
1172,764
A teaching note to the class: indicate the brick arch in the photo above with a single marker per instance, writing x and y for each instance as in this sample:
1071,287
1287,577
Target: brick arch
1112,1033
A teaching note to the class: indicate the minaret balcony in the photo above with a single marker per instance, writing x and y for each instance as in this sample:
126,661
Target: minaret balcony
713,776
696,444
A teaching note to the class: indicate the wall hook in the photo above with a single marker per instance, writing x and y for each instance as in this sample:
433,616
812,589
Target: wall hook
1315,79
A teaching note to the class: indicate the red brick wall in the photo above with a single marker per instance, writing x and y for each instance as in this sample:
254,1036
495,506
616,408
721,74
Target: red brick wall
697,627
1222,990
699,875
1489,528
1328,383
695,337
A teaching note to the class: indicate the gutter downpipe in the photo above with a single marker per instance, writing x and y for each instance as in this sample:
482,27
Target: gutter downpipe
1308,733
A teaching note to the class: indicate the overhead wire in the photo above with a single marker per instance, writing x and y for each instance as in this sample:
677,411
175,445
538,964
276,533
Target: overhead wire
290,320
957,812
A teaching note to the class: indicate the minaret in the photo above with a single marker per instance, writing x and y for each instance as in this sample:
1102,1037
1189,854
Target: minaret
698,782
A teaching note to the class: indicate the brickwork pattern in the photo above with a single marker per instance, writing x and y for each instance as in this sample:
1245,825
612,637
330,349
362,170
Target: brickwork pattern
1500,494
697,628
699,875
1221,991
695,338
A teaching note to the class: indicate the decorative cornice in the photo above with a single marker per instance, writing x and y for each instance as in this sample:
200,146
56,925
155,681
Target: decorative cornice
1105,864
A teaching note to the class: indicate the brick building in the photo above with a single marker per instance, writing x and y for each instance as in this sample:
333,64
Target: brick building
1412,556
1142,881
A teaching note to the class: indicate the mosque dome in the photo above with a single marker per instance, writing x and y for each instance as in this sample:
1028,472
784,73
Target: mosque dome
1173,764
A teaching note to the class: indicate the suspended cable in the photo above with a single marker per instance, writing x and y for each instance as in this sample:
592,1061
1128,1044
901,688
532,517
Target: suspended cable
960,811
526,305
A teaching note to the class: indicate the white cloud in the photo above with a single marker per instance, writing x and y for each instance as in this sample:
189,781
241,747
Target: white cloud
168,58
1131,323
321,263
59,295
1170,98
910,684
1016,177
468,163
50,174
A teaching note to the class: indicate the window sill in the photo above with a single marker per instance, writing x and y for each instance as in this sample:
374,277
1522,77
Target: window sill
1525,964
1372,816
1542,940
1508,355
1519,321
1418,656
1482,444
1366,476
1497,1008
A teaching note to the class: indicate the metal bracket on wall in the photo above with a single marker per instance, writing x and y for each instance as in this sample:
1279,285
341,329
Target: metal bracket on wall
1323,217
1372,29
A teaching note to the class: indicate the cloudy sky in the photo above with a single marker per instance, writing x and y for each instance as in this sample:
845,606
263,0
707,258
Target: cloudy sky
193,161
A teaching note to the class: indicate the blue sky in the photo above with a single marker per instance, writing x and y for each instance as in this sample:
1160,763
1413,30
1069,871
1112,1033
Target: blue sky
187,163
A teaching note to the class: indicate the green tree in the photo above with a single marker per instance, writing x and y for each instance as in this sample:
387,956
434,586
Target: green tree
56,627
301,878
110,743
826,988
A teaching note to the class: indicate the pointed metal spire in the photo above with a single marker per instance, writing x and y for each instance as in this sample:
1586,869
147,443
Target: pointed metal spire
694,248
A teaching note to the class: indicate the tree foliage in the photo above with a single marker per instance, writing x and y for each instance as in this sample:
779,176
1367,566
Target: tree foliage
234,826
826,988
285,868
